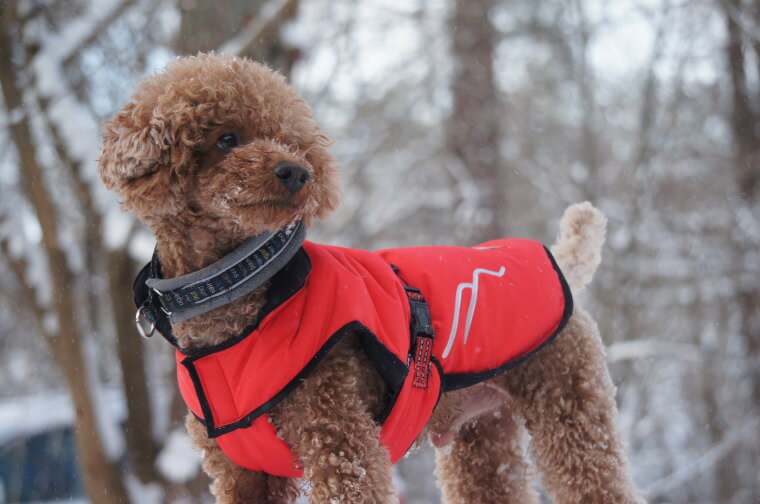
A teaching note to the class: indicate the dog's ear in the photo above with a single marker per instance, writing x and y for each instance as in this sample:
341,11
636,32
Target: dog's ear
133,144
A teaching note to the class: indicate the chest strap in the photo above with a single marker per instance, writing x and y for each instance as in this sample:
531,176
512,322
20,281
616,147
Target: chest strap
423,336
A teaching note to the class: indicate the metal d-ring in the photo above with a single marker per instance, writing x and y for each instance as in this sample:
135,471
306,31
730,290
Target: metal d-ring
140,319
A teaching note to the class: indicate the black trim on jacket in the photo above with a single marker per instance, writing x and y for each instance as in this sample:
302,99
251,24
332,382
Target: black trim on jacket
394,373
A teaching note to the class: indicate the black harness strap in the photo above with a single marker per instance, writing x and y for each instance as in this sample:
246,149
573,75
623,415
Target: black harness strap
150,317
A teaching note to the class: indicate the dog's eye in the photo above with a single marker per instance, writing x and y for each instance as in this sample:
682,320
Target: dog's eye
227,142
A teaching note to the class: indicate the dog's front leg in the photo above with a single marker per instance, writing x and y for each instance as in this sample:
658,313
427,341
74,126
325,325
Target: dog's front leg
481,447
231,483
327,422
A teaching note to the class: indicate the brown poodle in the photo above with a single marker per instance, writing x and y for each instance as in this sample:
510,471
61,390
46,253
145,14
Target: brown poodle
193,155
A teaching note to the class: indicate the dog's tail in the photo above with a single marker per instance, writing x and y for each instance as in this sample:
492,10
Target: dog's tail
578,250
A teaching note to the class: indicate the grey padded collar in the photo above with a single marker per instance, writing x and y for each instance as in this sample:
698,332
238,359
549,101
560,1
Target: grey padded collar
231,277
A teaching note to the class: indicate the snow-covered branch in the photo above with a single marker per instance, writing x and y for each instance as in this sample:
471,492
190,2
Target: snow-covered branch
702,465
58,48
18,268
270,14
100,20
651,348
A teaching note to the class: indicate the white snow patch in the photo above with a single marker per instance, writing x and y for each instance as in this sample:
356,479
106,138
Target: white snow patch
178,461
117,226
16,115
141,247
108,423
150,493
27,416
50,323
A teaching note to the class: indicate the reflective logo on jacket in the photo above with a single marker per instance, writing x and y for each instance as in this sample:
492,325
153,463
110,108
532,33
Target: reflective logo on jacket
491,306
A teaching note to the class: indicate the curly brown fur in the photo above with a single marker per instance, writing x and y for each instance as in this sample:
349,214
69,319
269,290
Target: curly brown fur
336,437
567,399
486,461
202,198
578,250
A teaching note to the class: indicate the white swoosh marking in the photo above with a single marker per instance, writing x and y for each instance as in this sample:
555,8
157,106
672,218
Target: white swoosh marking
471,309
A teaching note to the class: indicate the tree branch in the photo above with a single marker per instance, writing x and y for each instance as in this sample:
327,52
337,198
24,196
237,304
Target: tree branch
82,30
270,15
651,348
675,480
98,22
18,267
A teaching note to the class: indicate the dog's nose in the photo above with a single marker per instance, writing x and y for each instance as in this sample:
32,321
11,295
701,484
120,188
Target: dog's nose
292,175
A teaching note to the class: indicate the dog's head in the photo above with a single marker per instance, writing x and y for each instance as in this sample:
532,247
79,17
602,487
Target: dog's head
222,137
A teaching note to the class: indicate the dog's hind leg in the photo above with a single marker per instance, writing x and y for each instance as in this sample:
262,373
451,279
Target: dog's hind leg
485,462
328,423
566,396
233,484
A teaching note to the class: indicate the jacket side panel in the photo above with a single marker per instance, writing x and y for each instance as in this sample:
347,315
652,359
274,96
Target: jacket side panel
490,304
367,290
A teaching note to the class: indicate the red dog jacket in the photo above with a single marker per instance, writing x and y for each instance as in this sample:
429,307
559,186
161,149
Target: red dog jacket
489,306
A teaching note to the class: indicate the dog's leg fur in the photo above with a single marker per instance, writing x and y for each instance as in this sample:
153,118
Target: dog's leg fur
567,398
485,462
233,484
328,421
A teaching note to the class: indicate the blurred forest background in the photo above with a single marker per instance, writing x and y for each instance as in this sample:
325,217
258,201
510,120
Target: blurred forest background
453,122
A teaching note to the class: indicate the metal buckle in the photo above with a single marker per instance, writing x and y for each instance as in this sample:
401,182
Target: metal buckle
140,320
161,303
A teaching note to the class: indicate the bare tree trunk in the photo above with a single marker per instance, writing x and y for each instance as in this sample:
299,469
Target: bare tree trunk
744,120
756,42
142,449
743,117
101,476
473,128
744,124
589,129
725,480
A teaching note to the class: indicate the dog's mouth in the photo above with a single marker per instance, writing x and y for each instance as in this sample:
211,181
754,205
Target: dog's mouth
277,210
284,204
264,211
290,202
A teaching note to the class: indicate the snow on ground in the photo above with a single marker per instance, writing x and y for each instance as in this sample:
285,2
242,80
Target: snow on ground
178,461
27,416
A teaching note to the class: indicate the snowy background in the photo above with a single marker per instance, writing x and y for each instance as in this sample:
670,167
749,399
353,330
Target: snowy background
453,122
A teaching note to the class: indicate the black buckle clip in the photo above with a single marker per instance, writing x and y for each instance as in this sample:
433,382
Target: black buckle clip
421,323
422,336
